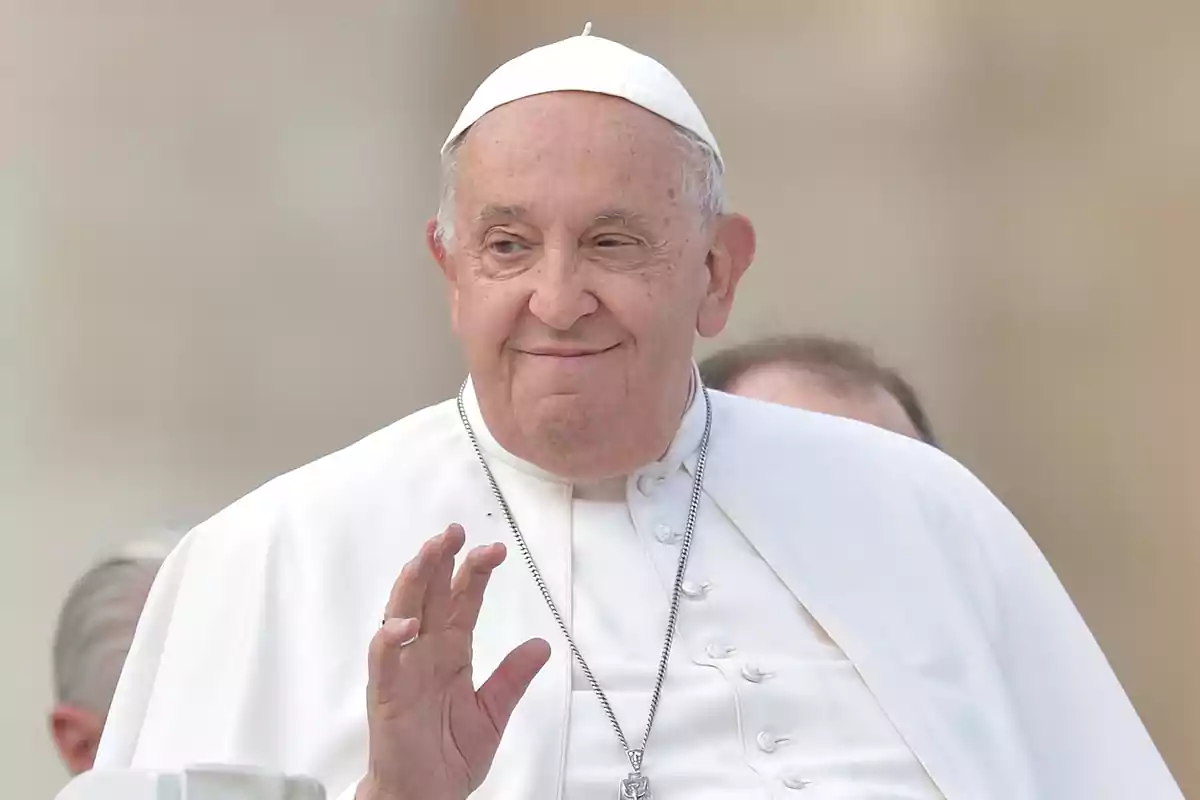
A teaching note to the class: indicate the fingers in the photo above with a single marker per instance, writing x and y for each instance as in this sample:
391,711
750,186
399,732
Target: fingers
408,596
470,582
436,607
501,692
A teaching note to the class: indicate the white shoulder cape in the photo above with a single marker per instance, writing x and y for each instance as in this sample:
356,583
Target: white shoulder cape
252,648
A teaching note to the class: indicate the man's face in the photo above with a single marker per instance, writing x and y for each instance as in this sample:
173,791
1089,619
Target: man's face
580,272
795,386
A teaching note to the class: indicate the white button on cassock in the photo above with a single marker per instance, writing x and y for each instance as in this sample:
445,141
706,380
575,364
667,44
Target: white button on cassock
754,674
665,534
696,591
720,650
769,742
649,484
796,783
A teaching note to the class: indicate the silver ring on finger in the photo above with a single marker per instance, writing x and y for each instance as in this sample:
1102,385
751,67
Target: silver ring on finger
405,643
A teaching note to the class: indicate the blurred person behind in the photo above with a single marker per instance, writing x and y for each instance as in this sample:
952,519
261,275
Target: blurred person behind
822,374
95,628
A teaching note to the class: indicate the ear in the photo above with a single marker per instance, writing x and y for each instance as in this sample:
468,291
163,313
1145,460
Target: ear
76,733
437,248
730,257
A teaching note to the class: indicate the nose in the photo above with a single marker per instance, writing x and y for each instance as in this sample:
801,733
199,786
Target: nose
560,295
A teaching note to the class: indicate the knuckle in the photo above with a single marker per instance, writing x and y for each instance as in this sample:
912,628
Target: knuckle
409,571
385,643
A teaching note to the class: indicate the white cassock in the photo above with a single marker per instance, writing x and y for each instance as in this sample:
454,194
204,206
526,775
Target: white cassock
862,620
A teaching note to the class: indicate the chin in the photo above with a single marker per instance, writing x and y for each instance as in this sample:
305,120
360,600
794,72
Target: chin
572,422
564,416
580,437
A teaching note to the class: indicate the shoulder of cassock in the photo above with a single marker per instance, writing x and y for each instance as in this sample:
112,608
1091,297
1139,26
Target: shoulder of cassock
939,568
770,468
851,474
870,504
252,608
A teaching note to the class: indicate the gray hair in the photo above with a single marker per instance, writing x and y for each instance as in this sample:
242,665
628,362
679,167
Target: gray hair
703,180
98,620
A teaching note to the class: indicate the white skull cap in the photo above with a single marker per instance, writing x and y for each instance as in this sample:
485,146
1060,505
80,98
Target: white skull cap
587,63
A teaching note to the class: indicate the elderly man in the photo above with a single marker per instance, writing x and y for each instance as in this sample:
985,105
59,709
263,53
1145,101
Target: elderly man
819,373
95,628
718,597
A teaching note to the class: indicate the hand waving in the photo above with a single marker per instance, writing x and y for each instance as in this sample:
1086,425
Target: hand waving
432,735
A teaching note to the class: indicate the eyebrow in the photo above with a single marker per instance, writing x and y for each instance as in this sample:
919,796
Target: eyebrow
491,213
622,217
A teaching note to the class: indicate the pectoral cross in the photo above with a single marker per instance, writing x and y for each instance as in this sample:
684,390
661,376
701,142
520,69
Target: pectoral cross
637,785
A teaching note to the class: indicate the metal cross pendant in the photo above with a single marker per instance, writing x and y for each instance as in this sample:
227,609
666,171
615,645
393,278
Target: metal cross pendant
637,785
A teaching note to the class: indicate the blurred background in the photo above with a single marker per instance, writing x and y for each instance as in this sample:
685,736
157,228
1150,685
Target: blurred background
212,267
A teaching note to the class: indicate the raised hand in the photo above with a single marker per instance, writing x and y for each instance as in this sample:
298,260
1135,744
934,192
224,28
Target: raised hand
432,735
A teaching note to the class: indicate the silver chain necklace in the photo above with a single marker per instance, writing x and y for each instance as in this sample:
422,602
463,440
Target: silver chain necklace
636,786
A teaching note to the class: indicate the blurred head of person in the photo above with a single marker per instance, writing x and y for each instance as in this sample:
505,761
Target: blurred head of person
586,242
94,632
822,374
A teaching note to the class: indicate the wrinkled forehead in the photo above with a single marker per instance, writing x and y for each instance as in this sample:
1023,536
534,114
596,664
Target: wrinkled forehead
569,147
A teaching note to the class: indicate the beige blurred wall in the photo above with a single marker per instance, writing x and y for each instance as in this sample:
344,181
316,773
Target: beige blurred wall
211,248
211,252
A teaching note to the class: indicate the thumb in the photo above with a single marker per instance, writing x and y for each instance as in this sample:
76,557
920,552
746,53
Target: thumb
501,692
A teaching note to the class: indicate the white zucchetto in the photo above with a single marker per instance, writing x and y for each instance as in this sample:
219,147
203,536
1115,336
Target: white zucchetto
587,63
